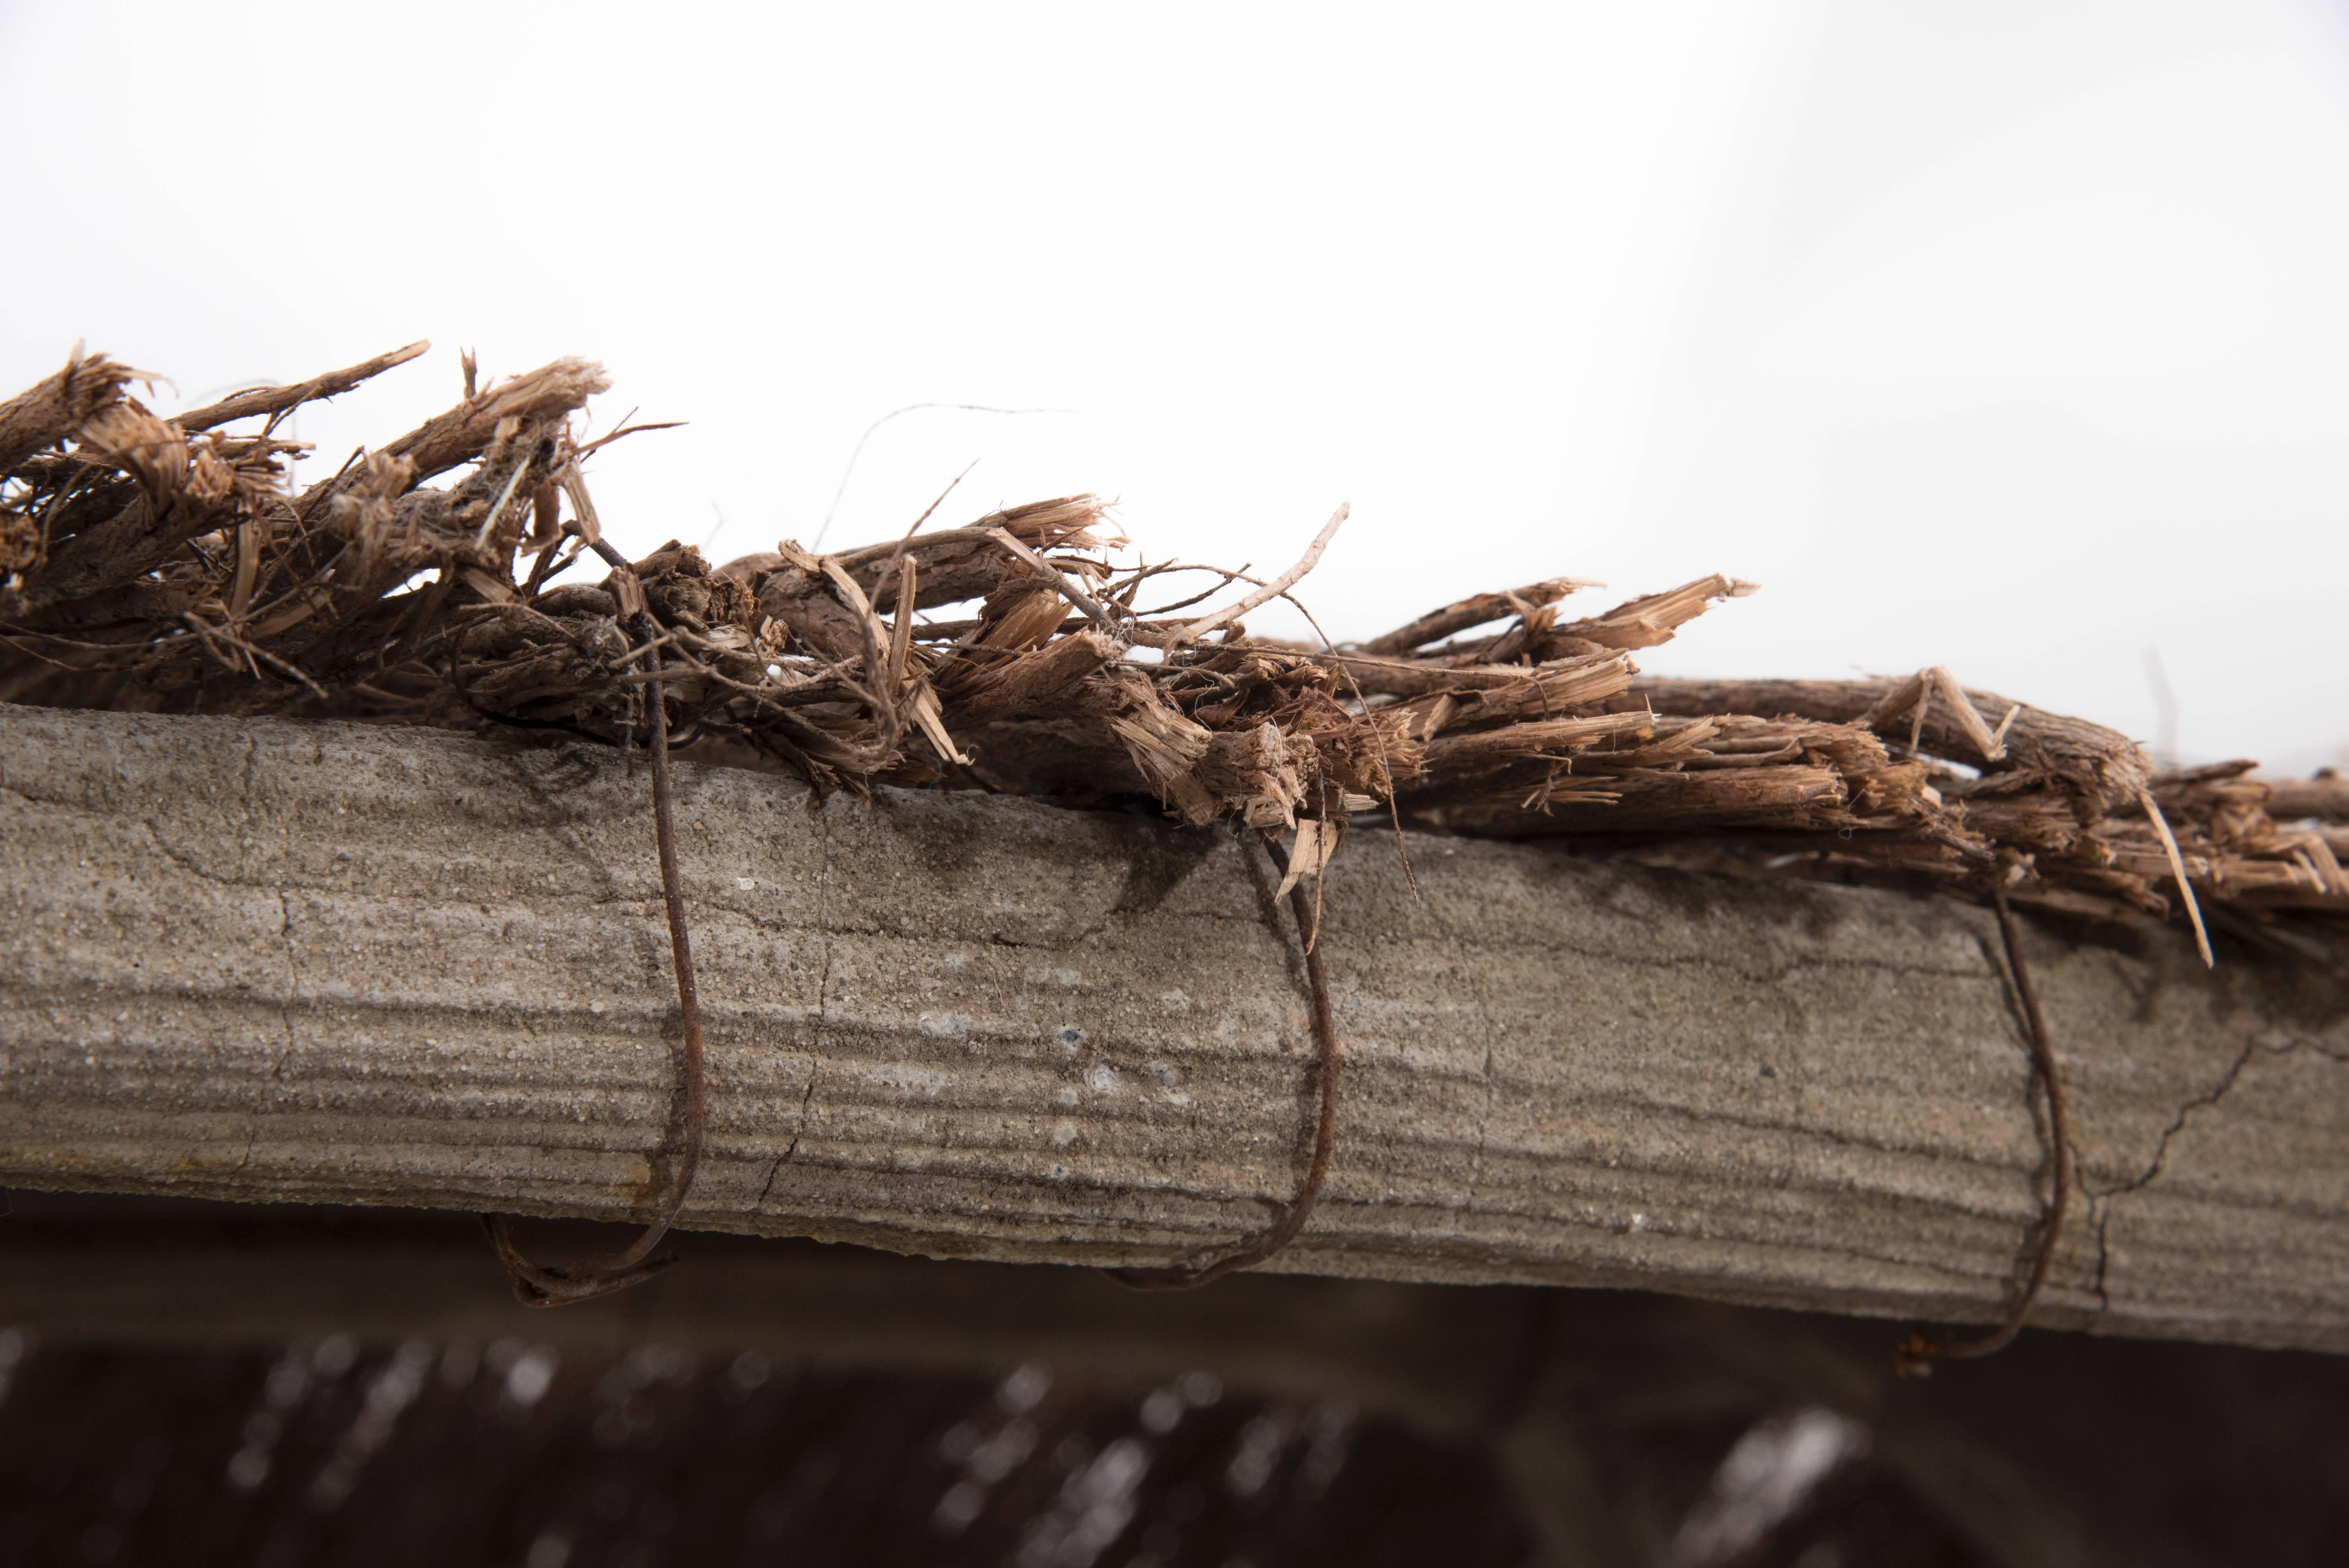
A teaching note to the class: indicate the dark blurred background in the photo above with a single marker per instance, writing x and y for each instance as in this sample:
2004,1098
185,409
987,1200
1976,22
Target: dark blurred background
198,1383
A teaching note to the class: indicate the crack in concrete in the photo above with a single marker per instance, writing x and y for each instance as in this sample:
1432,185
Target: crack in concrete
2102,1203
2160,1160
823,999
776,1170
180,858
285,940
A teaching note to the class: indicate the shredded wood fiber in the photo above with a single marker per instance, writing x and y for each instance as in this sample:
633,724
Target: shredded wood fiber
166,566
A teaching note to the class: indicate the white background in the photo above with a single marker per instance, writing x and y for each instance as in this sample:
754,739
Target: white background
2010,335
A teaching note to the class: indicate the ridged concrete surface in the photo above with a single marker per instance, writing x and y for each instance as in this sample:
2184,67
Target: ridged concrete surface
332,962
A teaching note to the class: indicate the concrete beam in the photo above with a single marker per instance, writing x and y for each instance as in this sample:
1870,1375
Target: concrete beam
331,963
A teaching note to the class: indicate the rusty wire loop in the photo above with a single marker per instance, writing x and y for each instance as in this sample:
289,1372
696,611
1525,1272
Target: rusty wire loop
1915,1355
1325,1132
584,1279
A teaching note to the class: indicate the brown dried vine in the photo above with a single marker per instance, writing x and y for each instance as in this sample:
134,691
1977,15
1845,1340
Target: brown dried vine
559,1285
1325,1127
1916,1355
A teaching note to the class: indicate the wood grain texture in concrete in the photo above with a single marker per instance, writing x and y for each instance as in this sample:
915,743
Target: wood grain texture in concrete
275,961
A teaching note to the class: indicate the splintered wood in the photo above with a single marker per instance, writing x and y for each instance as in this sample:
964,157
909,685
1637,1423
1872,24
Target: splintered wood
165,566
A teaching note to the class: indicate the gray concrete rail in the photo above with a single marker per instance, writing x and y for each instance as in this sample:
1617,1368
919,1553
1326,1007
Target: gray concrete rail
328,963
